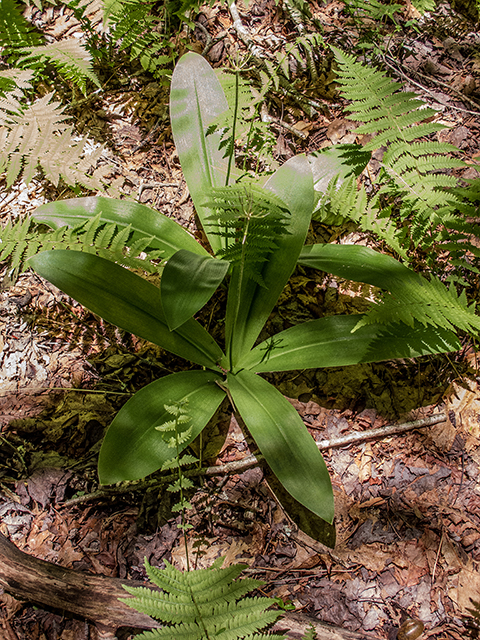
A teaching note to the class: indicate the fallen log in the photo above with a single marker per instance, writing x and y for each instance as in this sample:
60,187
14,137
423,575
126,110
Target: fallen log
88,596
95,598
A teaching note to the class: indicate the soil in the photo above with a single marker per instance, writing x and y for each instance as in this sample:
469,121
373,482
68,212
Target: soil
407,506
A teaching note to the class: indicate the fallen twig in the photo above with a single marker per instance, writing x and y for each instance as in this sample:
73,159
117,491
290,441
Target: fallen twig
461,96
238,466
243,33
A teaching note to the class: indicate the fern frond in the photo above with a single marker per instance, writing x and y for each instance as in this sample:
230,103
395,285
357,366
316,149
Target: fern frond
375,9
38,136
178,485
70,58
13,82
202,603
423,6
18,243
310,633
416,173
133,25
347,202
426,302
337,201
184,461
15,30
251,219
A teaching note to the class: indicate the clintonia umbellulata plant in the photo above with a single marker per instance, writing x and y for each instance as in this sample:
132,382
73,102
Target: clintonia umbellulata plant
256,255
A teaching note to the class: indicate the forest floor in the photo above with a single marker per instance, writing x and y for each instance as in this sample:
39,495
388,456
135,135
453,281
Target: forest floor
407,506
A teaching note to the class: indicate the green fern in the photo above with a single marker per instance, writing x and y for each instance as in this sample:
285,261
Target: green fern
416,188
15,30
70,58
176,434
374,9
203,604
414,169
133,25
415,299
310,633
347,202
422,6
26,48
136,27
251,220
18,243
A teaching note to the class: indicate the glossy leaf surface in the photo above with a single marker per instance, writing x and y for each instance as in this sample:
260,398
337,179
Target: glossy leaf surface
145,222
329,342
132,447
340,160
283,439
357,263
188,282
126,300
196,99
292,183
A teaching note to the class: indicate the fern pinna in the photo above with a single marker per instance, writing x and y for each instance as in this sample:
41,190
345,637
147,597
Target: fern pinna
400,121
145,30
251,220
26,48
15,30
203,604
37,135
110,240
416,188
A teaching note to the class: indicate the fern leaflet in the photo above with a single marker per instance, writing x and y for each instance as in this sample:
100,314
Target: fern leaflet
107,240
428,302
397,119
203,604
251,219
68,56
37,135
422,6
15,30
416,186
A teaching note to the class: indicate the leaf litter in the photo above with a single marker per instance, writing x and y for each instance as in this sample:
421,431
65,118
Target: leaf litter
407,508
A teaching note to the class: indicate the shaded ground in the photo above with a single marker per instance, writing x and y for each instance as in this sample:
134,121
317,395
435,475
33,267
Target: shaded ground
407,507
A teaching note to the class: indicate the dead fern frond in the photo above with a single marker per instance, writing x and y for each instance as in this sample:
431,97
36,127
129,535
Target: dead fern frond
38,136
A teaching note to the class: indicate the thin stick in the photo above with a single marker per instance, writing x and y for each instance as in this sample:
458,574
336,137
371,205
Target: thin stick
462,97
440,544
243,33
39,390
238,466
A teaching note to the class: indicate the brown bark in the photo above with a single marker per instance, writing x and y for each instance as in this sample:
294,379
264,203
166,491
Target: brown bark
95,598
87,596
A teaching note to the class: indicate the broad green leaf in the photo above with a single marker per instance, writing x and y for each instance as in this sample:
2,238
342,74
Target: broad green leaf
283,439
145,222
126,300
329,342
196,100
188,282
132,447
248,309
413,297
340,160
357,263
